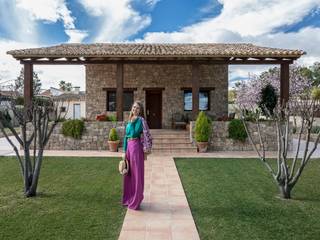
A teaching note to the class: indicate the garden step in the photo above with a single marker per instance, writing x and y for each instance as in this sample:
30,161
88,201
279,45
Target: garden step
170,140
172,145
170,136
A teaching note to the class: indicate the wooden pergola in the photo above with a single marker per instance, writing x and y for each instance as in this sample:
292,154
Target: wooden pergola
173,54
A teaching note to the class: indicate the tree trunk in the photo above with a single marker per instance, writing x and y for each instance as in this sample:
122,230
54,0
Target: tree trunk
285,191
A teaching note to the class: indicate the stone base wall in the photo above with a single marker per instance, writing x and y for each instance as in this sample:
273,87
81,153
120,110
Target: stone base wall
219,140
94,137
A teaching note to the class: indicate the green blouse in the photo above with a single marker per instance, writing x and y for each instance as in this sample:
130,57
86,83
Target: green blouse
133,130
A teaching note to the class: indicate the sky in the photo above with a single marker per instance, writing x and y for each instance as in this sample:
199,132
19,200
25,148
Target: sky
293,24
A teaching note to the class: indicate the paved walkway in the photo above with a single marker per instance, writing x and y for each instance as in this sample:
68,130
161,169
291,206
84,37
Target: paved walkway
165,213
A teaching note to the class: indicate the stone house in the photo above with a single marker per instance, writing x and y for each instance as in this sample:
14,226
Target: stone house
167,78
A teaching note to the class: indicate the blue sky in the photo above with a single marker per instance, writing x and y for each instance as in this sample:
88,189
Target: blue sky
33,23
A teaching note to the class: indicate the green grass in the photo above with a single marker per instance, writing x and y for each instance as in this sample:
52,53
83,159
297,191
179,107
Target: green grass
237,199
79,198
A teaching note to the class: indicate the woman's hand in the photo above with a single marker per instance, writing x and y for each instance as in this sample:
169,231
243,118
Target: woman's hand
123,156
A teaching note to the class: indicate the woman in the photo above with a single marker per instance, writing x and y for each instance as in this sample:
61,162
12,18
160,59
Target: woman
134,150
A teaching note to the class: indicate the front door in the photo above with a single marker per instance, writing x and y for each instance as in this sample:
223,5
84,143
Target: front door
154,108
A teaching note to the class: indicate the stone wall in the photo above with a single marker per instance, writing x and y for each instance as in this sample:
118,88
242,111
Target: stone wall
170,77
219,140
94,137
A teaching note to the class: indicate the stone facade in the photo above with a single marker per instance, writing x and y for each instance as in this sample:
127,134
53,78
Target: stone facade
170,77
94,137
219,140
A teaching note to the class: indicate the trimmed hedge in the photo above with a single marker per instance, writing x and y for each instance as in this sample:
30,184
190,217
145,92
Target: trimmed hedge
203,128
73,128
237,130
113,135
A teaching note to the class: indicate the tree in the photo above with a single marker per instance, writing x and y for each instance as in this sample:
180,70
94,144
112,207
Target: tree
268,100
19,83
248,93
65,86
288,169
37,122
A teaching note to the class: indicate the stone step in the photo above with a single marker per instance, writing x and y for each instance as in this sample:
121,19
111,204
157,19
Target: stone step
172,145
169,136
170,132
170,140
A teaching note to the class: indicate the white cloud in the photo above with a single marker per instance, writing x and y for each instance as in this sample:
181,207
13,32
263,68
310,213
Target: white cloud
53,11
253,22
118,19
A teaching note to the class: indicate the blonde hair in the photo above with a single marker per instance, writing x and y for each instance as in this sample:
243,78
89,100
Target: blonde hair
141,112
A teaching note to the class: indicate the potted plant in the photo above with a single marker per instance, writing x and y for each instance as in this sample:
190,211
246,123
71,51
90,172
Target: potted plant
113,140
203,129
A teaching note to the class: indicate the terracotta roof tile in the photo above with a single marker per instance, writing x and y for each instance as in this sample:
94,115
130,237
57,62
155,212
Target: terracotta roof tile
155,50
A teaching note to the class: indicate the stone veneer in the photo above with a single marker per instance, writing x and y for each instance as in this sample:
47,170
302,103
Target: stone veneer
170,77
219,140
94,137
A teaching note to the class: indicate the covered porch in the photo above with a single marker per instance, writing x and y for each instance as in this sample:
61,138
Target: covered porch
122,56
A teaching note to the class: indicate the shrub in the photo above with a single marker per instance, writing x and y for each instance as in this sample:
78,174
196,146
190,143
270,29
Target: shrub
19,100
315,129
112,118
237,130
73,128
203,128
113,135
268,100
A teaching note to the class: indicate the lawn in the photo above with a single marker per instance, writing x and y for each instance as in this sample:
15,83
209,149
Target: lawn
237,199
79,198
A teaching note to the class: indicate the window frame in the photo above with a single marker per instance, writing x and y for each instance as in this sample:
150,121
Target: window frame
115,93
202,91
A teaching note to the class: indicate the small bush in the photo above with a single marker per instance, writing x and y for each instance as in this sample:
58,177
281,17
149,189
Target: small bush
112,118
315,129
203,128
19,100
237,130
113,135
73,128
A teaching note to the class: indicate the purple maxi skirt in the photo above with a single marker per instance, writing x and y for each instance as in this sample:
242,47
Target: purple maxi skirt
133,182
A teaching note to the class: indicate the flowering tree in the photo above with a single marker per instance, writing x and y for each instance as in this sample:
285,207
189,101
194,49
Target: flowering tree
249,93
302,103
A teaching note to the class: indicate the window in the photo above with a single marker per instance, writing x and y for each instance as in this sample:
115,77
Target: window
203,100
127,100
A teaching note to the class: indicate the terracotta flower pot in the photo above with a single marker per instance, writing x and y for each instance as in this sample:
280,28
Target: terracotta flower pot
202,146
113,145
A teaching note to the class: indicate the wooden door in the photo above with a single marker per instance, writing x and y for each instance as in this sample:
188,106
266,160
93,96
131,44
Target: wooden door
154,108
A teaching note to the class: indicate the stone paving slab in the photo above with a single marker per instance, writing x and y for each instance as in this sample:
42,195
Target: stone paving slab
164,212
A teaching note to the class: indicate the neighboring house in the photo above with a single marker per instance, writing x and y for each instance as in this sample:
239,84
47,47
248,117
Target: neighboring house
167,78
73,102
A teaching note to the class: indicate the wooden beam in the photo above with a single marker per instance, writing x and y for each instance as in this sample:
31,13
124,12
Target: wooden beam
119,92
195,89
200,88
124,89
28,84
159,61
153,88
284,83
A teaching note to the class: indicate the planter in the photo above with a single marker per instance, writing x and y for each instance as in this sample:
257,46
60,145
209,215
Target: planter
113,146
202,146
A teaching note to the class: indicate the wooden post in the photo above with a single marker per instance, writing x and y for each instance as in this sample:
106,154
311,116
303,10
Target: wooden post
195,89
119,92
284,83
28,84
